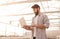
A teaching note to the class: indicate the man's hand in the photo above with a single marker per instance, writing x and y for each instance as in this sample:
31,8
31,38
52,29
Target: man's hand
27,27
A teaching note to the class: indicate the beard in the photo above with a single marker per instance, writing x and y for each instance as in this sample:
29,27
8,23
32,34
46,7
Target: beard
36,13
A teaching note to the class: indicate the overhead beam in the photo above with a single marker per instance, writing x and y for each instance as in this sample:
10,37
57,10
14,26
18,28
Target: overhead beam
30,13
28,1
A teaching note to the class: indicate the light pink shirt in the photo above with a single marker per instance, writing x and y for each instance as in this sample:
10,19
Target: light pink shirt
41,33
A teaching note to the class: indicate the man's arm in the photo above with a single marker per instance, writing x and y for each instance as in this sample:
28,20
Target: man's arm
41,26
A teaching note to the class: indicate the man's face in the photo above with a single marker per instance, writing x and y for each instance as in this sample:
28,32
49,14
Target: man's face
35,10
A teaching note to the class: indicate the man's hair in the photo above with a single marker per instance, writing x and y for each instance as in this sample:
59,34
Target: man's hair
36,6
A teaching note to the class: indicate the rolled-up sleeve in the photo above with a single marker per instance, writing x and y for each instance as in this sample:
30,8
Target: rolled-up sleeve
46,21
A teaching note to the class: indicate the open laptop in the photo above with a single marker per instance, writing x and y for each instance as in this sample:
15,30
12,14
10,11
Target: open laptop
22,21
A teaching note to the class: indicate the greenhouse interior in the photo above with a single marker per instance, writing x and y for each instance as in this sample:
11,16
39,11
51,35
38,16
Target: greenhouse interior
11,11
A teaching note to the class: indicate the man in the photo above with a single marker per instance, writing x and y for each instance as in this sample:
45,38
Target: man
39,24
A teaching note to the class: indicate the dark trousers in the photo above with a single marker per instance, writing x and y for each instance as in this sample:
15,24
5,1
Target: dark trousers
34,37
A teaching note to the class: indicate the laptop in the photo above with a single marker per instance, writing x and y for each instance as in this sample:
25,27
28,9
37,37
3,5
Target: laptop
22,21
